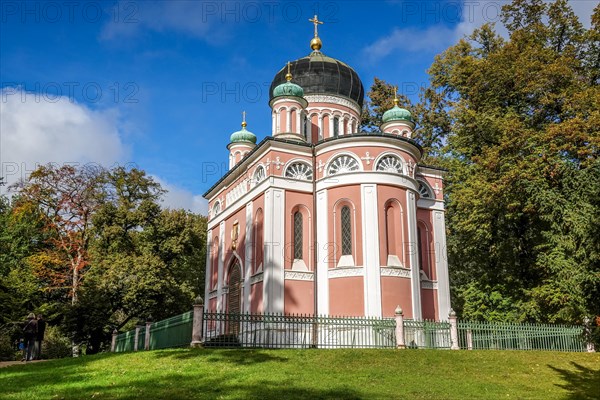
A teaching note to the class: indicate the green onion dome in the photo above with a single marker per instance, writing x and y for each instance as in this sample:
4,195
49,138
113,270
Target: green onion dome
243,135
288,89
397,114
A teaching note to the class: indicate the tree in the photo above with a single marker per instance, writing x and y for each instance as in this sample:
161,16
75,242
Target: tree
523,155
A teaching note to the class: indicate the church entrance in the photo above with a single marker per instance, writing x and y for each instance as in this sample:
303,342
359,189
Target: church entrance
234,299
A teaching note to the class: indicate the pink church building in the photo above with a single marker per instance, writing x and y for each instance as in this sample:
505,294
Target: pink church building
319,218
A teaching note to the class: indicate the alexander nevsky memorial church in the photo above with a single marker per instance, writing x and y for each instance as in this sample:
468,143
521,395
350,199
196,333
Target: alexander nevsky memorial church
320,218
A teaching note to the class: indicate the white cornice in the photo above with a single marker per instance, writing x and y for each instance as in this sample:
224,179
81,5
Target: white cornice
324,98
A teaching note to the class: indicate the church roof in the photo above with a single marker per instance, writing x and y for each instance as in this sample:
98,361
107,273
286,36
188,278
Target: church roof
320,74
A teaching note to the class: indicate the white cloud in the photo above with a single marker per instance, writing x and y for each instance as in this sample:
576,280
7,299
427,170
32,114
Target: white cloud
469,15
36,129
177,197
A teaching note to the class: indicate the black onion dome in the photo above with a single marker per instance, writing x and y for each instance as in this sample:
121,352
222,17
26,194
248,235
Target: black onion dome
319,74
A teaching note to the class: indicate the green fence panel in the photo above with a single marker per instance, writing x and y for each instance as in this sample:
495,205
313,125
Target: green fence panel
172,332
508,336
125,341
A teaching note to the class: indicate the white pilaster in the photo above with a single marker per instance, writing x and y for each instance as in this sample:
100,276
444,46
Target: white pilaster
220,273
340,126
273,278
441,265
298,122
415,279
248,257
330,125
208,269
370,241
288,121
323,250
274,122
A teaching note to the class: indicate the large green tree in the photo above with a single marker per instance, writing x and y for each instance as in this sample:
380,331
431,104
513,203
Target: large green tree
516,123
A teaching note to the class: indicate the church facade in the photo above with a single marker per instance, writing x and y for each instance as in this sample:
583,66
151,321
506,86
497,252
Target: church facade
319,218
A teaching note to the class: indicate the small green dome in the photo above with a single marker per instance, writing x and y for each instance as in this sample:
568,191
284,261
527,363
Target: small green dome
397,114
243,135
288,89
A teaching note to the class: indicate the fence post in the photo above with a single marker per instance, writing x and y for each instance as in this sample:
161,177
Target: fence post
400,328
113,344
588,335
198,322
453,331
147,336
136,339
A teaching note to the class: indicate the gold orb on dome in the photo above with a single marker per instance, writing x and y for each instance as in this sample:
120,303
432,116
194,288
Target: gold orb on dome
316,44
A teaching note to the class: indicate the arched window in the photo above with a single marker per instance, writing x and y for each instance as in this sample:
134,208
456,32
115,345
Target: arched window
424,248
305,127
424,191
216,209
259,174
214,276
341,164
394,234
298,239
300,171
346,231
258,240
336,126
390,163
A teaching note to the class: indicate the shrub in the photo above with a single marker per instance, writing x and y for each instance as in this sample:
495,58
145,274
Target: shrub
55,344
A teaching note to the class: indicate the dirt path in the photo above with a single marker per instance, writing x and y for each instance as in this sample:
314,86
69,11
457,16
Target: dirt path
11,363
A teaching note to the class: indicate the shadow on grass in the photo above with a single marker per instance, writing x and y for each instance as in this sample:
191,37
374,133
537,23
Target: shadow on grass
581,383
64,380
236,356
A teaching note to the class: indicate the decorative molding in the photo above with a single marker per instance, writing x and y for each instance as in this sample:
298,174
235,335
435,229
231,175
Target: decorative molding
225,290
429,285
395,272
346,272
212,294
299,276
258,277
367,158
320,98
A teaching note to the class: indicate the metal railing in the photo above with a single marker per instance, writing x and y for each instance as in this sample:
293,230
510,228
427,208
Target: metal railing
508,336
214,329
297,331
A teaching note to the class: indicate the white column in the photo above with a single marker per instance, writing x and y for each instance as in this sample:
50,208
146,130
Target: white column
340,126
298,123
248,257
277,123
274,122
288,121
323,250
330,125
220,275
370,241
415,279
273,278
208,269
320,133
441,264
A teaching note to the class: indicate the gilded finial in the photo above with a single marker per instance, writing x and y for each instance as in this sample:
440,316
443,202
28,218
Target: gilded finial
288,76
316,43
396,101
244,124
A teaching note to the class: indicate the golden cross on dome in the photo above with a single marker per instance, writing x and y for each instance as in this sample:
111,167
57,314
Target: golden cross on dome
244,124
316,21
396,101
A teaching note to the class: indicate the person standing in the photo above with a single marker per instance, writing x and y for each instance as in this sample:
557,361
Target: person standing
41,329
30,333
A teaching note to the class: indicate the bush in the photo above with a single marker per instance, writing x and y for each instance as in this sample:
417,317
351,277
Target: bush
55,344
7,348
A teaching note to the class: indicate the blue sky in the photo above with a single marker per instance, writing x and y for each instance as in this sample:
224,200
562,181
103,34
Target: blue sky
162,84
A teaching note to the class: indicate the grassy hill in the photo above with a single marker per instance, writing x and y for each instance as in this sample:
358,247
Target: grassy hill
309,374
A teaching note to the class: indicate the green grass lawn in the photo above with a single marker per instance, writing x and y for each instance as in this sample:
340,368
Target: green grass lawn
309,374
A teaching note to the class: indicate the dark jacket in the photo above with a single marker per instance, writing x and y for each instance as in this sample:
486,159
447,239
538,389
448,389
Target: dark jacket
41,329
30,329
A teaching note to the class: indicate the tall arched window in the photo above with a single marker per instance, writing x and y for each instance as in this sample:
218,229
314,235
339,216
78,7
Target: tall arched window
298,239
346,231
